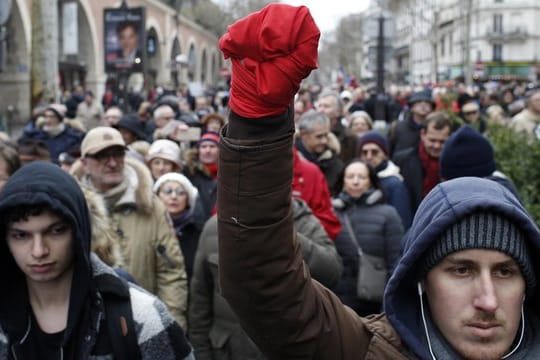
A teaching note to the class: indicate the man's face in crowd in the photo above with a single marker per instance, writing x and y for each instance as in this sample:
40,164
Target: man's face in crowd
208,153
164,118
328,106
128,40
112,116
316,140
472,115
88,99
434,139
50,118
42,247
105,168
372,154
534,102
127,135
421,109
475,298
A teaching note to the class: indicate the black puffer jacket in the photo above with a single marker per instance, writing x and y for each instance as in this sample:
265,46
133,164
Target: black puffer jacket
378,230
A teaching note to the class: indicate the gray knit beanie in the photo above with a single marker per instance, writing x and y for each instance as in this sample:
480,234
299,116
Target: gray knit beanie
482,230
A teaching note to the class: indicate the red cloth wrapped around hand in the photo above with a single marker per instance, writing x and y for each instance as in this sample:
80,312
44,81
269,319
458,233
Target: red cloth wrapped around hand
271,51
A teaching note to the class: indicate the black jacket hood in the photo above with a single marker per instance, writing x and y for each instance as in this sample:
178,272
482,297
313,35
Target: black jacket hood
43,183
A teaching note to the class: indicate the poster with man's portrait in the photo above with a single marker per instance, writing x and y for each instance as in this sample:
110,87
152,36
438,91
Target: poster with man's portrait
124,39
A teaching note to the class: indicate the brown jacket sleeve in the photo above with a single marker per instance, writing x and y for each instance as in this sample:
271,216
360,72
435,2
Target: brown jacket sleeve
263,277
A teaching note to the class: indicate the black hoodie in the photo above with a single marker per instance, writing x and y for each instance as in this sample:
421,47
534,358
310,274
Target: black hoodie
42,183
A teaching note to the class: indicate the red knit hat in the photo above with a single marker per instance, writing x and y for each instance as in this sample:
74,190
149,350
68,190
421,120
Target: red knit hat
209,136
271,51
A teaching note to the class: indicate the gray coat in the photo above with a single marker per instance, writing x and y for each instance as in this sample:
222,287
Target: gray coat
215,331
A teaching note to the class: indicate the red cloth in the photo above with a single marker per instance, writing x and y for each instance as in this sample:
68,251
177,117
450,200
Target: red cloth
309,184
212,170
431,170
271,51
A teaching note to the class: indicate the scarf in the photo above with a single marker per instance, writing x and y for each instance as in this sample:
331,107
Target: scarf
122,194
181,220
430,166
212,170
54,131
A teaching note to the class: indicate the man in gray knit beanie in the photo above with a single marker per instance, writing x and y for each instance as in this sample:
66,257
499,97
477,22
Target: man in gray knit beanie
475,278
482,230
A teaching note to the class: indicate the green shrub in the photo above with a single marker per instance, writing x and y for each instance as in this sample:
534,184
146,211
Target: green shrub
519,159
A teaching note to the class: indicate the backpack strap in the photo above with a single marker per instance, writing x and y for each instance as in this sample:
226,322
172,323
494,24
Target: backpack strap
121,327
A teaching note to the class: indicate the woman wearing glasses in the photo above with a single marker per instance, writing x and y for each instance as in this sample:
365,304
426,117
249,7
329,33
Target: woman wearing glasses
179,197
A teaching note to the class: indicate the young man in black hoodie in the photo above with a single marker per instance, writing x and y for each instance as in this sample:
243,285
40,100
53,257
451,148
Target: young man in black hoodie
60,301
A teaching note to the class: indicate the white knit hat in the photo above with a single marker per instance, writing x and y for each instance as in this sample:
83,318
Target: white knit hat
165,149
191,190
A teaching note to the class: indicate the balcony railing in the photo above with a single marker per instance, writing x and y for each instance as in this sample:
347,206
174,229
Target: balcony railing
517,33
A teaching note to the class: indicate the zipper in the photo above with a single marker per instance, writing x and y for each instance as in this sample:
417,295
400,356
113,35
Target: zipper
23,339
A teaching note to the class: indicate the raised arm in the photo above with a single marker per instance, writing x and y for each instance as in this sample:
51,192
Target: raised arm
262,274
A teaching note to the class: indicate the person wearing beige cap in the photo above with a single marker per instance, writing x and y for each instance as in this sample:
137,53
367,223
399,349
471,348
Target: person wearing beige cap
148,244
473,117
164,156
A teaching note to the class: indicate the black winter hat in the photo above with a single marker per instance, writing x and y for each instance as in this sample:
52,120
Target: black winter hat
374,137
133,124
466,153
482,230
424,95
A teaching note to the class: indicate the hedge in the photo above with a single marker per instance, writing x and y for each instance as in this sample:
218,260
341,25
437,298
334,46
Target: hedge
519,158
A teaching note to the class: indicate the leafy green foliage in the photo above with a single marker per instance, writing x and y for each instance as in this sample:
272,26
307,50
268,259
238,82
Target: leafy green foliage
518,157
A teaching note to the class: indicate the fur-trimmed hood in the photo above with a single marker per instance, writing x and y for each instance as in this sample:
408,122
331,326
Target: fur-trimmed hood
105,240
391,169
143,192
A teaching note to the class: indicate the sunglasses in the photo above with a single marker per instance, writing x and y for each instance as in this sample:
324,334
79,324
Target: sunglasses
103,156
470,113
169,191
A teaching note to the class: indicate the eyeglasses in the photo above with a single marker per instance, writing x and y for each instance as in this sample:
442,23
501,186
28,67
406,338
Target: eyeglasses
169,191
470,113
105,155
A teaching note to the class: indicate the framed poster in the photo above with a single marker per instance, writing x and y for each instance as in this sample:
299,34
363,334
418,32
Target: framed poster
124,39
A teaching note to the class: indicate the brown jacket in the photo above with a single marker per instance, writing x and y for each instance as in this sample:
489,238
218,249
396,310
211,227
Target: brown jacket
263,277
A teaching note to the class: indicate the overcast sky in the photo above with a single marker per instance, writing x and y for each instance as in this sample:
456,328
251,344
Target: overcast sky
328,12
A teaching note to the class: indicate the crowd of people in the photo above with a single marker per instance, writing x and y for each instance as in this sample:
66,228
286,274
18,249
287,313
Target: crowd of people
211,215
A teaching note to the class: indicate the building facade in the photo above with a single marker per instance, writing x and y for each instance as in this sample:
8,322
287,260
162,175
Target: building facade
436,39
177,50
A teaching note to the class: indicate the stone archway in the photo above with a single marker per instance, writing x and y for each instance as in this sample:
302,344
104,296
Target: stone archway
74,67
204,67
153,57
14,80
214,71
192,63
175,68
91,47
